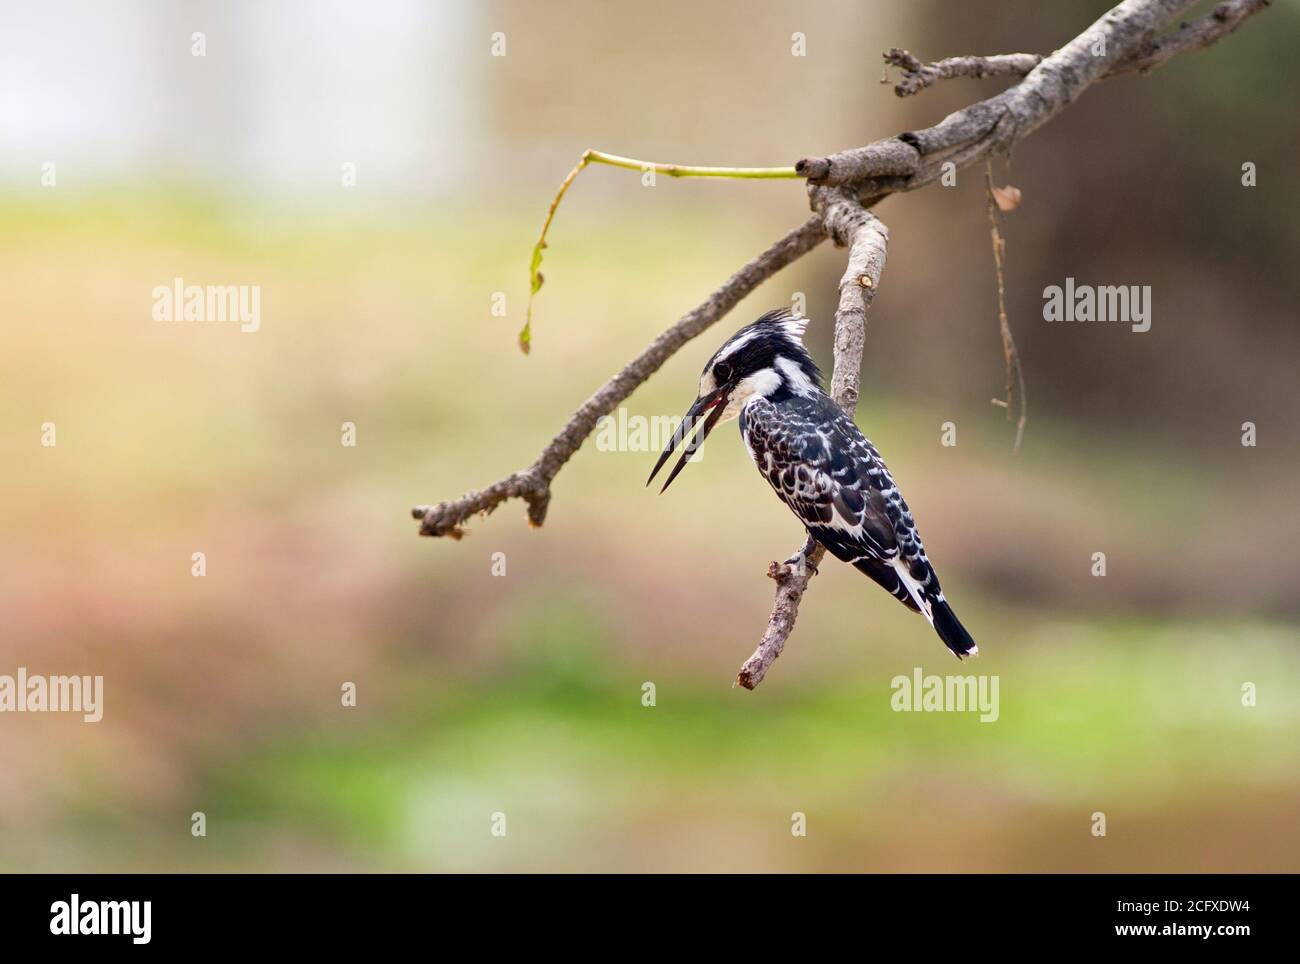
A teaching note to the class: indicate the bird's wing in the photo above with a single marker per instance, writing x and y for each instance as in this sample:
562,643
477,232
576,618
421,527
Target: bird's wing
829,476
834,480
821,466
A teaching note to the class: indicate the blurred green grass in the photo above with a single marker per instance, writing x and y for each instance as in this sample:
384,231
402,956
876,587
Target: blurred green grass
560,742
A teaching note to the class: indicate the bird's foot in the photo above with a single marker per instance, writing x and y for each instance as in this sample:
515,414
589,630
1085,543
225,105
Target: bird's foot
799,561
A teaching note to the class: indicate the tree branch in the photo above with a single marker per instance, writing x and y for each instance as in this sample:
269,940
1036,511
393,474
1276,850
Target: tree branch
842,187
533,484
918,76
1208,30
1122,41
851,225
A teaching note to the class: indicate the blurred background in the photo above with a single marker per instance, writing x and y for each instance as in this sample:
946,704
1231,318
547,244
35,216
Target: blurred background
521,693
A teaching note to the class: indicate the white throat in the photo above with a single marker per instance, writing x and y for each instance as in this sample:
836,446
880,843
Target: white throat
761,383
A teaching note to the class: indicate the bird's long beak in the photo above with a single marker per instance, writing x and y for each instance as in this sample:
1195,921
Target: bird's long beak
715,400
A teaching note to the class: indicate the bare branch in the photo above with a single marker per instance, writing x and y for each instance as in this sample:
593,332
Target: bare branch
1121,41
852,226
890,157
1208,30
867,239
791,583
1127,35
918,76
533,483
1198,35
842,187
870,173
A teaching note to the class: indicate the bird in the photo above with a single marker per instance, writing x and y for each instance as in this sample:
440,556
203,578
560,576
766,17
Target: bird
818,462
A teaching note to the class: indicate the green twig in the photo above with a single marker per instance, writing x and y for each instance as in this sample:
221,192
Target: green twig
535,277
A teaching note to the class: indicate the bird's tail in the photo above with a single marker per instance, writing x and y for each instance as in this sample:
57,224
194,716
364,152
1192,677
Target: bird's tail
950,630
927,599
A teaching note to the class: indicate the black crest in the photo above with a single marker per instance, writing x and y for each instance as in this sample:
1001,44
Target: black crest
777,333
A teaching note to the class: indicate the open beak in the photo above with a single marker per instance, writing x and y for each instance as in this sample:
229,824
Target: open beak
716,401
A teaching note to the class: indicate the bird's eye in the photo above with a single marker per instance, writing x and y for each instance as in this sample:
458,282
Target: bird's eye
722,372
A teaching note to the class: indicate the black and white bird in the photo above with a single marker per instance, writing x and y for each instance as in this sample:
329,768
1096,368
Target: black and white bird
818,462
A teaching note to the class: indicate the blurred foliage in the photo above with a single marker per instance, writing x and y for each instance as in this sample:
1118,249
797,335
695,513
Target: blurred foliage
522,693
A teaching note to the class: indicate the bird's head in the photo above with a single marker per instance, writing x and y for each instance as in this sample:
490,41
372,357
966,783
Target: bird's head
765,358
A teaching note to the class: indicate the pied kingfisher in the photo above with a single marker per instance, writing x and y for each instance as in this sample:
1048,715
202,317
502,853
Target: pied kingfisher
818,462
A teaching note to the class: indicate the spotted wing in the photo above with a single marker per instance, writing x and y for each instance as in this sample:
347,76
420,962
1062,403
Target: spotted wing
833,479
